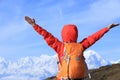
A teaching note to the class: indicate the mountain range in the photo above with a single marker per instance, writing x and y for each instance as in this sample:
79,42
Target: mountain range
39,68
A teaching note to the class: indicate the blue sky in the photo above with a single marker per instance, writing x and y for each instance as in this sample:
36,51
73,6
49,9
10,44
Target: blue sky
18,39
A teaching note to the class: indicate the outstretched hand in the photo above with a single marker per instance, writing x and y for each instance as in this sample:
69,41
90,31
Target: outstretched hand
30,21
113,25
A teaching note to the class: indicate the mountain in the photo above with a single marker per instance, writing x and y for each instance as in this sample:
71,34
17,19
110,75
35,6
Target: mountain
111,72
94,60
28,68
115,62
39,68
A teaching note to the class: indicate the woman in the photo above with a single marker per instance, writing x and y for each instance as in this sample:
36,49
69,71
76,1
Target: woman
69,35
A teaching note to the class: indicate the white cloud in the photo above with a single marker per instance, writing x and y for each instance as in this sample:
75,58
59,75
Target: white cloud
38,68
98,12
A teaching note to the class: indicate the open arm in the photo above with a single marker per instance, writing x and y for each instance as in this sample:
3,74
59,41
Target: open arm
90,40
48,37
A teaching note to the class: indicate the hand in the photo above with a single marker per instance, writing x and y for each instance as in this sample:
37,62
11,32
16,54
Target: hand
30,21
113,25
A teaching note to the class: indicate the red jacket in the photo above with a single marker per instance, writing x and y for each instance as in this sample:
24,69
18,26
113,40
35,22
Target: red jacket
69,34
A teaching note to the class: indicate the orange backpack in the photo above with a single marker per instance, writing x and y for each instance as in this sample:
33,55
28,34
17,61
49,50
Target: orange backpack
73,64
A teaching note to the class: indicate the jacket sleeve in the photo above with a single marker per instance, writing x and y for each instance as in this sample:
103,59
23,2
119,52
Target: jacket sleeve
90,40
49,38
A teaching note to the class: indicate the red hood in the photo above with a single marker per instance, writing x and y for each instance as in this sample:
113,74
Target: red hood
69,33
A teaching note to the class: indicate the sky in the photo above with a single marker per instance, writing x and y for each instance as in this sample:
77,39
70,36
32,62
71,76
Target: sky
18,38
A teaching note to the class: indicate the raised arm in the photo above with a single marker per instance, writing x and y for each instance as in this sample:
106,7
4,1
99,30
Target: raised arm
90,40
112,25
48,37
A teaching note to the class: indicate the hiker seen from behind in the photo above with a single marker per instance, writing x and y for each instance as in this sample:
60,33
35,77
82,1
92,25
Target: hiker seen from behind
71,64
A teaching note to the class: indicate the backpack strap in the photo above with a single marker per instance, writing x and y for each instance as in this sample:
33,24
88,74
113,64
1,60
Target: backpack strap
59,64
89,75
67,58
